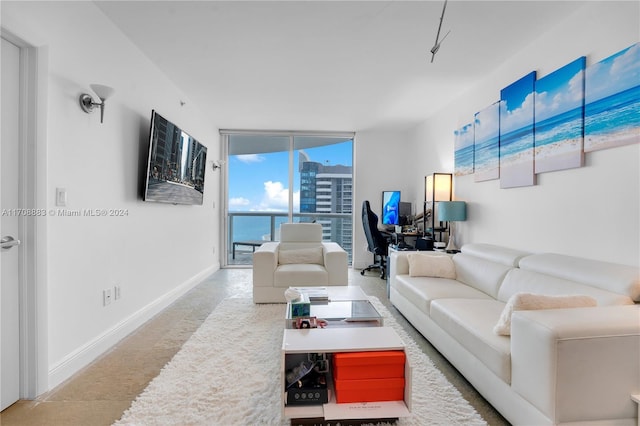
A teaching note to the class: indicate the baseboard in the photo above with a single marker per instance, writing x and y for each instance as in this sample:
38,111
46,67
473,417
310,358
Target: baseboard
88,353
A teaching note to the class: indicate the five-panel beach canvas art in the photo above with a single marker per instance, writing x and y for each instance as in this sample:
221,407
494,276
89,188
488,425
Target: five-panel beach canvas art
547,124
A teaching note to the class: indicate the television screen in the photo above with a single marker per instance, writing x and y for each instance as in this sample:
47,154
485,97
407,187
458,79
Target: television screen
391,207
176,164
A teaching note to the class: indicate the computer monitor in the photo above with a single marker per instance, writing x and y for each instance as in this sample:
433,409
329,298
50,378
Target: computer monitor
405,208
391,207
405,213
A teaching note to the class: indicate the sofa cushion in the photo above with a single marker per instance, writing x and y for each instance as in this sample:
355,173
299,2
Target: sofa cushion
428,265
305,255
497,254
522,281
470,322
531,301
298,275
422,290
607,276
479,273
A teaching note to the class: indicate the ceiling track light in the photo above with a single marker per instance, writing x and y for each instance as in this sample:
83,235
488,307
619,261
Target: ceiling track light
438,42
86,100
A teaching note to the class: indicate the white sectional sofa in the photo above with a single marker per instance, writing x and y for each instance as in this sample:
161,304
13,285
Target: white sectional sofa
558,366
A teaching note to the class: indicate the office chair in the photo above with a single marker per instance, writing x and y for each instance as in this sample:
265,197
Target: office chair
377,243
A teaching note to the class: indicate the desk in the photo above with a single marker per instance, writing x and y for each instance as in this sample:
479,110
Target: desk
251,243
398,238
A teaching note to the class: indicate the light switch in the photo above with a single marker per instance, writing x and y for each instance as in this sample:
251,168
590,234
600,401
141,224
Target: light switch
61,197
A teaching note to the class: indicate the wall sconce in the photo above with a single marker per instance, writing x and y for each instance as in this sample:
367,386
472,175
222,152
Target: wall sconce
452,211
216,164
86,100
437,187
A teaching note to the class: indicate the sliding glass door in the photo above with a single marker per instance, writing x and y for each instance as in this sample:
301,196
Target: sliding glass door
276,177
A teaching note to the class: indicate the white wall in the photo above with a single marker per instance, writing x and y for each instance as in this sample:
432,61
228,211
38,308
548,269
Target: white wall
379,166
592,211
154,253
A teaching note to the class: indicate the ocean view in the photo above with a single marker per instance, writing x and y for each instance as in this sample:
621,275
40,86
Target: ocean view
613,120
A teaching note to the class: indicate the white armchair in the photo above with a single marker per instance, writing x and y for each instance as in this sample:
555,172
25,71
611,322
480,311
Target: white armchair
299,259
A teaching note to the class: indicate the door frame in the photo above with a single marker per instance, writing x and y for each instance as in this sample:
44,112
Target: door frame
34,368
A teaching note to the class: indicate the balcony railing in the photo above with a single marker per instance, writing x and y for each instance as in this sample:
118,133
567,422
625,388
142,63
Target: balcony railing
254,227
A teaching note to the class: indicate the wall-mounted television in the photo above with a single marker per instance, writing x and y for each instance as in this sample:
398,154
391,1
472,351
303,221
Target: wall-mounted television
391,207
176,164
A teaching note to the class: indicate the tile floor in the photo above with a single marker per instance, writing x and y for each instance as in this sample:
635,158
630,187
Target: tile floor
100,393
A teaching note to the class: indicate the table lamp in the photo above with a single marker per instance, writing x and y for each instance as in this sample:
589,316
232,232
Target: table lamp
452,211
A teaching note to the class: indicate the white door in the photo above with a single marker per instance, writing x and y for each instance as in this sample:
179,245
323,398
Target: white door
9,226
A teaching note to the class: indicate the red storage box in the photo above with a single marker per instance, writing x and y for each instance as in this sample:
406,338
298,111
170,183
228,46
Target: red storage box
369,390
368,365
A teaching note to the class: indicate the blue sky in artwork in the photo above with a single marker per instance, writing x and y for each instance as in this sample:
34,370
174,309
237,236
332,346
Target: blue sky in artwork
464,136
487,123
614,74
560,91
517,104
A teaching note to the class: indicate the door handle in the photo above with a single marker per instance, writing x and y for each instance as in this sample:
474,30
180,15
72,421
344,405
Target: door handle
8,242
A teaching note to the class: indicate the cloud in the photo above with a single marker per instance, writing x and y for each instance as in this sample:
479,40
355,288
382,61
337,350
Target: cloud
562,98
239,202
487,123
464,136
276,198
520,116
250,158
614,74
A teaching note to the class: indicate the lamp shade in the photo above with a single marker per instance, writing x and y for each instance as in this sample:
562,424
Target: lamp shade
438,187
452,211
103,92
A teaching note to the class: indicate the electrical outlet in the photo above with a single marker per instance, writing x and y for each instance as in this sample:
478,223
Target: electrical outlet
106,297
116,292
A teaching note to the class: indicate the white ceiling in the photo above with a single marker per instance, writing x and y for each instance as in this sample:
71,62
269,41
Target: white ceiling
328,65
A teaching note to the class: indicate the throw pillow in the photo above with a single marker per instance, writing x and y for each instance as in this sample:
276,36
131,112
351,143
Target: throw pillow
307,255
530,301
429,265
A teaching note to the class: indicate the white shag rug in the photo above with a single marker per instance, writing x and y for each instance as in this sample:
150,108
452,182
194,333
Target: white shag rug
227,373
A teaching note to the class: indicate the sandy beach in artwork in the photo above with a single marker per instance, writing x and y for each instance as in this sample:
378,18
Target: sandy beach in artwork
517,170
611,140
486,173
560,155
462,171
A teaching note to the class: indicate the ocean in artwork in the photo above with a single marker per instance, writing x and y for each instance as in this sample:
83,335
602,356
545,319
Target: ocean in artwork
517,133
559,118
487,143
612,101
487,160
463,146
558,141
464,160
613,121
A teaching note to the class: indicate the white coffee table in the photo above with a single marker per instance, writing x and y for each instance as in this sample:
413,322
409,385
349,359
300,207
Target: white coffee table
297,343
347,306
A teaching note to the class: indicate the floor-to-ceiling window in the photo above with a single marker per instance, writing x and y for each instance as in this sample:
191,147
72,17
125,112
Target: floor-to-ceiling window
276,177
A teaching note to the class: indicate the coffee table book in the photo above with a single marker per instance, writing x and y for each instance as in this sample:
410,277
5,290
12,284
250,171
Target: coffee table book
337,340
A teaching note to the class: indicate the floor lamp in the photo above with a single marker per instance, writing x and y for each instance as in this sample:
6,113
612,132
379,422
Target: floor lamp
452,211
438,187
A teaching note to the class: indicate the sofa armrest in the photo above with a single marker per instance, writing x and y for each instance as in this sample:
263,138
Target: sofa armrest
336,262
265,262
577,364
398,265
